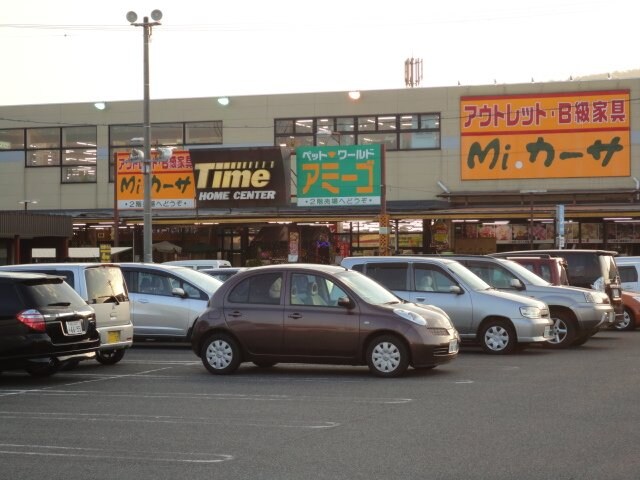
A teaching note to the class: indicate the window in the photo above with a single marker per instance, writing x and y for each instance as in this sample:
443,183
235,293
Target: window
313,290
391,275
628,274
259,289
411,131
71,148
12,139
428,278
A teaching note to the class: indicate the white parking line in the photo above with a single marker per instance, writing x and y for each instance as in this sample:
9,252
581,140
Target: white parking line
61,451
50,392
165,419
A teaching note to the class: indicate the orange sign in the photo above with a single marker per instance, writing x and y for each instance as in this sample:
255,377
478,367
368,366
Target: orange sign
561,135
172,183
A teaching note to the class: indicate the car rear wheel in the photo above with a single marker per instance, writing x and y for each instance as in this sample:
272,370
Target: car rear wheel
628,321
220,354
110,357
387,356
498,337
564,330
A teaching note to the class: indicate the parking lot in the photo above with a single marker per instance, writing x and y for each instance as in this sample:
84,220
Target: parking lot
158,414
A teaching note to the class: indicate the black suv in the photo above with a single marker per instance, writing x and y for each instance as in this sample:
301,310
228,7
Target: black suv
44,324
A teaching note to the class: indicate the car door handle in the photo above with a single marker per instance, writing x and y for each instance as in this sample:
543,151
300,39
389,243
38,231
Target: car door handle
235,313
295,315
420,299
143,300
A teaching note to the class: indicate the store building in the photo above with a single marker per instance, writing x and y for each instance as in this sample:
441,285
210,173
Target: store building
466,168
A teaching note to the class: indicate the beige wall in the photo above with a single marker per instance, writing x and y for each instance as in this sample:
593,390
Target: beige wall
411,175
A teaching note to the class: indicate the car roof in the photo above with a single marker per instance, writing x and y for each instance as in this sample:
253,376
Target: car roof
399,258
157,266
222,269
297,266
559,252
24,275
34,266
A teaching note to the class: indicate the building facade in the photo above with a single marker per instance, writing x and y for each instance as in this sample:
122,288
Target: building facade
467,168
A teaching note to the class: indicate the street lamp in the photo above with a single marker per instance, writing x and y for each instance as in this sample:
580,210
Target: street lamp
147,163
26,203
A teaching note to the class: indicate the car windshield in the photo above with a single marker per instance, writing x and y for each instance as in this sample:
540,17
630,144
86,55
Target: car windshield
367,289
525,273
51,292
199,279
472,281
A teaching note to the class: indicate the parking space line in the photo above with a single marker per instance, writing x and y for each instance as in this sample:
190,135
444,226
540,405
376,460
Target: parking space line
210,396
166,419
94,453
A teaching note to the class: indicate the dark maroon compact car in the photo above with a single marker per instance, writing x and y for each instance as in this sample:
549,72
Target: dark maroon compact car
308,313
44,324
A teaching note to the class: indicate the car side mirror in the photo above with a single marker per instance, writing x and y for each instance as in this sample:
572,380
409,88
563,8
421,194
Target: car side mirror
179,292
345,302
455,289
516,283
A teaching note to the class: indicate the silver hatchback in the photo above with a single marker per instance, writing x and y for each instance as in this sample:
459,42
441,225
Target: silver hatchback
166,300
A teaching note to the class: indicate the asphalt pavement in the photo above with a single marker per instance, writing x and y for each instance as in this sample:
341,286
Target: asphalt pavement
158,414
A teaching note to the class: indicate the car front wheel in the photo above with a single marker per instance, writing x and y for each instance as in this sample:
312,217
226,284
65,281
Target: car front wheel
220,354
387,356
564,331
498,337
628,321
110,357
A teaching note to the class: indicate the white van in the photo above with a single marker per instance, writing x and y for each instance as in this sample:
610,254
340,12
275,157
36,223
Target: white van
200,264
629,270
103,287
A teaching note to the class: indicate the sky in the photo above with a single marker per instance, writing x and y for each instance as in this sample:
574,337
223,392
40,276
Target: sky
69,51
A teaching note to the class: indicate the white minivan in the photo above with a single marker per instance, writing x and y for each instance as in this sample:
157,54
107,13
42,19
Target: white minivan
629,270
498,321
199,264
103,287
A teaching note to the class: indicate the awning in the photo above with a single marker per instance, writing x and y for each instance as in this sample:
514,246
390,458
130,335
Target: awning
75,252
166,247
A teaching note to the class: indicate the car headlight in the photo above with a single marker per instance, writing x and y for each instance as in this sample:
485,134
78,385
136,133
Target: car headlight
530,312
589,298
411,316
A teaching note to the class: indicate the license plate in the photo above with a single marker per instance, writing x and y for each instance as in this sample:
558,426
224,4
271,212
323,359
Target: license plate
113,336
74,327
453,346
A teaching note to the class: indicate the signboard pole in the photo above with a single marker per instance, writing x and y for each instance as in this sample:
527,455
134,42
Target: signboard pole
383,247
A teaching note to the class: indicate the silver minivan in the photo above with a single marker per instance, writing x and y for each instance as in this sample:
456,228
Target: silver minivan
499,321
103,287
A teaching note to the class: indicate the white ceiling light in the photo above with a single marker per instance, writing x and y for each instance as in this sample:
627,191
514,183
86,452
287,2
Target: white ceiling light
224,101
354,95
100,105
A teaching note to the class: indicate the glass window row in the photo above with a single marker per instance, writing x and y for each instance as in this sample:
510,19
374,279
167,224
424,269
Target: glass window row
406,131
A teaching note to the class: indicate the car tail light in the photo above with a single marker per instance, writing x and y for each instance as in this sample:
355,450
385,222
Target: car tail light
32,319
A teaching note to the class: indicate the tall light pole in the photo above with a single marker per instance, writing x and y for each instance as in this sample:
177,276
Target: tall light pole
26,203
147,162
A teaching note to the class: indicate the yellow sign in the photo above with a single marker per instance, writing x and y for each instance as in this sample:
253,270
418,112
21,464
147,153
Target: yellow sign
105,253
562,135
172,182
